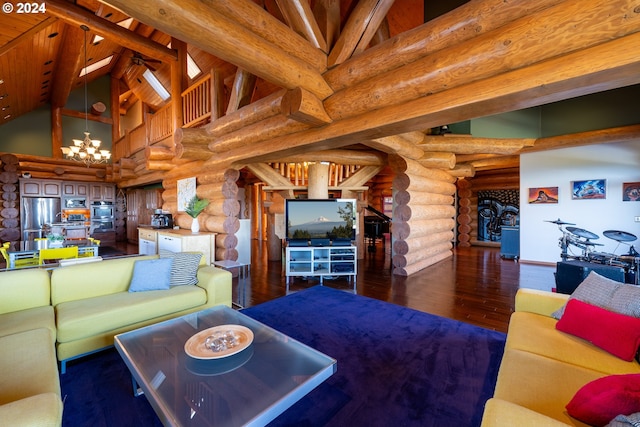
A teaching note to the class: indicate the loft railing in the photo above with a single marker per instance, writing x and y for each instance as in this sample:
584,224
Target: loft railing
160,124
298,173
196,102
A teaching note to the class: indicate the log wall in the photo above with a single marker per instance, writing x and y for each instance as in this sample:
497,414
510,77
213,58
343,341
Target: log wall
467,221
220,216
423,218
9,193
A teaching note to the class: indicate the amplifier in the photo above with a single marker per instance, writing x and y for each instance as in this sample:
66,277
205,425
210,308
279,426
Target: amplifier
569,274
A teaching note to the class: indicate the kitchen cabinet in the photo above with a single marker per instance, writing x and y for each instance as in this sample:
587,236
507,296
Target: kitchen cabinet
186,241
100,192
75,189
40,188
147,241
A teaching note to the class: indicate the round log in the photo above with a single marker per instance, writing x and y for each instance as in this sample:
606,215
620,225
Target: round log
414,268
415,257
10,234
98,108
226,240
9,212
404,247
9,196
402,230
9,188
418,198
10,168
223,207
8,177
418,212
413,168
9,159
223,254
10,223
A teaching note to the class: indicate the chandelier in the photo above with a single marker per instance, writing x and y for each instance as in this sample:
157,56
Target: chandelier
86,150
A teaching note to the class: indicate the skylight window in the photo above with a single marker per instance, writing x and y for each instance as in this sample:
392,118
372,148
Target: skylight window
192,68
156,85
95,66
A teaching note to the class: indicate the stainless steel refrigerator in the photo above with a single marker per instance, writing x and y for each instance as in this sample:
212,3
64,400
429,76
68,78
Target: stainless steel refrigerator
36,212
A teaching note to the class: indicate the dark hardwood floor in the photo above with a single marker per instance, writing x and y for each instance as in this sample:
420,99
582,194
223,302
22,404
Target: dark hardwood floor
475,285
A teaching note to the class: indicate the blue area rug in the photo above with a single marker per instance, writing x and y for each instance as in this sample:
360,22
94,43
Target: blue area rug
396,367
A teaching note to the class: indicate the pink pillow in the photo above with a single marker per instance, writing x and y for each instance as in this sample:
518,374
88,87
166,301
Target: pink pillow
615,333
600,401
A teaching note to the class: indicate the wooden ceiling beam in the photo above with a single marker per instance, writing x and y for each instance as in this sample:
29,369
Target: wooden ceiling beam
601,136
467,145
568,27
77,16
70,61
360,28
203,26
606,66
300,18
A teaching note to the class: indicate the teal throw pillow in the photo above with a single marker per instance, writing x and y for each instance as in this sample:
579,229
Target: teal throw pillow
151,275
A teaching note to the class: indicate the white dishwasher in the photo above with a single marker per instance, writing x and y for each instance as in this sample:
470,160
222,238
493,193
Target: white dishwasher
169,243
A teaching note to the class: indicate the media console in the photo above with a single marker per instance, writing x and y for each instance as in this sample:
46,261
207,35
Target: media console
321,261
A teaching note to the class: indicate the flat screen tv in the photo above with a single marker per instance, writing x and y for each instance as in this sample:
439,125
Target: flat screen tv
333,219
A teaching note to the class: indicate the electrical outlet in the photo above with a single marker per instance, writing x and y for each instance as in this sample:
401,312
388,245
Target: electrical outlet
636,218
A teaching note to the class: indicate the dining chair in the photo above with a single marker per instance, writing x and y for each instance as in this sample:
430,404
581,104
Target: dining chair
92,253
58,253
20,262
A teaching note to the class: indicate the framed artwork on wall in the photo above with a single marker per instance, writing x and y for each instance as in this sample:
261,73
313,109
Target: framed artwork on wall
543,195
186,191
589,189
631,191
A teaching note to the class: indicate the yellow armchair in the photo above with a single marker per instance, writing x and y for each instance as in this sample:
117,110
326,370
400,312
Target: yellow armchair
19,263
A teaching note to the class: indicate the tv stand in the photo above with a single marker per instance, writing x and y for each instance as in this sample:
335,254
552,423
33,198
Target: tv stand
321,261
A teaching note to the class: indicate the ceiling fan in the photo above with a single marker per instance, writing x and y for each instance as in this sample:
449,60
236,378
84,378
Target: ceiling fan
138,59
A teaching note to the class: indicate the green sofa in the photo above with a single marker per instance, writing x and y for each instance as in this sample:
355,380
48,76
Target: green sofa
30,385
543,368
92,303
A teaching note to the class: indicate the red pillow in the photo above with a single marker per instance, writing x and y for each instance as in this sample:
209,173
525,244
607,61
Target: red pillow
600,401
613,332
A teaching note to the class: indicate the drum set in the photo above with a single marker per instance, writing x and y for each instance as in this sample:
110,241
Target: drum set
582,239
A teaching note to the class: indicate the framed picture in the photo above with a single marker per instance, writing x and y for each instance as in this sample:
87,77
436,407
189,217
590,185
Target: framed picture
186,191
589,189
631,191
543,195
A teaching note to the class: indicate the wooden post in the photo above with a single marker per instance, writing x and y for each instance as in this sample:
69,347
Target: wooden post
318,180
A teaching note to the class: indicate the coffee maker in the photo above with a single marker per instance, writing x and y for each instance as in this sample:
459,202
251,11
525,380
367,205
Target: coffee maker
161,220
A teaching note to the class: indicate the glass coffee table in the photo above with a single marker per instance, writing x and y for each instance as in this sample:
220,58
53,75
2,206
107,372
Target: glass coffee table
269,372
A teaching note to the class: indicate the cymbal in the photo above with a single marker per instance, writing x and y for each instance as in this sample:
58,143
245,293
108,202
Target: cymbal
581,232
559,222
588,243
620,236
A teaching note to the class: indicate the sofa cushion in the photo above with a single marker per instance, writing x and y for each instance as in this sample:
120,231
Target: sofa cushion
608,294
538,334
28,365
600,401
541,384
28,288
184,268
88,317
25,320
616,333
151,275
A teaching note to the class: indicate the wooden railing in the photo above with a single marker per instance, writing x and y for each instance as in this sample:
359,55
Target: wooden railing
298,173
160,124
196,102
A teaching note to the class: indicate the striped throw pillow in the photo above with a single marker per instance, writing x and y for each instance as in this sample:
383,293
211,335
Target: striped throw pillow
184,269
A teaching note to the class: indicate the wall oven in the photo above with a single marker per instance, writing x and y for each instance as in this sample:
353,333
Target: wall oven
102,225
102,210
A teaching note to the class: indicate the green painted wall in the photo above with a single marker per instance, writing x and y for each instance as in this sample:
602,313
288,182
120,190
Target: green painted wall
31,133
